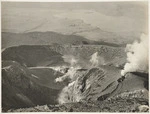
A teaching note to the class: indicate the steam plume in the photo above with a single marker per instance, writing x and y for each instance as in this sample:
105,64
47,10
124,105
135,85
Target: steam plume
137,56
70,59
65,95
69,75
96,60
69,94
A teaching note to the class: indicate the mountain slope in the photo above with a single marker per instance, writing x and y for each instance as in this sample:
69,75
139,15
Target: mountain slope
52,55
19,89
32,55
39,38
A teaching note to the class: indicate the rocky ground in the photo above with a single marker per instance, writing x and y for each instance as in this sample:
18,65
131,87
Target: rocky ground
126,102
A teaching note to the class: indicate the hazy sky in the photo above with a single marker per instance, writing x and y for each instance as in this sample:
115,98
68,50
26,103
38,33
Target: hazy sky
117,17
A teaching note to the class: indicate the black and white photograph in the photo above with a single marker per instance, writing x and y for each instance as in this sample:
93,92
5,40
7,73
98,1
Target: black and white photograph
74,56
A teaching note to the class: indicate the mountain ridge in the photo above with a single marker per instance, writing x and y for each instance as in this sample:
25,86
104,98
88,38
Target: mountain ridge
48,38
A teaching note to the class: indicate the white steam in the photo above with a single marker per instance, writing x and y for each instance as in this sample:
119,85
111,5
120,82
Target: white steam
73,66
96,60
67,94
68,75
137,56
70,59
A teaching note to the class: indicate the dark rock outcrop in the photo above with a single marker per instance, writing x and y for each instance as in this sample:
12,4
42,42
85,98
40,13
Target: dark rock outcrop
19,89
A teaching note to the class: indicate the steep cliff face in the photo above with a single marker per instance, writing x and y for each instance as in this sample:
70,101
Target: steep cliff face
97,82
92,85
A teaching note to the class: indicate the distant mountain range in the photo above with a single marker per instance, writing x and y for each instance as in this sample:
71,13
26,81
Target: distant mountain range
38,38
47,38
